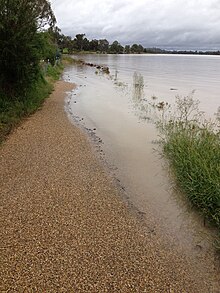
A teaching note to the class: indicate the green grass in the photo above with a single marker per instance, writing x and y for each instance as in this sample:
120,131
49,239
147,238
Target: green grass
194,155
54,72
192,146
67,59
12,111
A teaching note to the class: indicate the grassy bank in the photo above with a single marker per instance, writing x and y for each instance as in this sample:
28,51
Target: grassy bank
192,146
12,111
195,157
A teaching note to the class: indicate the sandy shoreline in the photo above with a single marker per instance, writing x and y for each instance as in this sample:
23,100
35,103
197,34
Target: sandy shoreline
64,227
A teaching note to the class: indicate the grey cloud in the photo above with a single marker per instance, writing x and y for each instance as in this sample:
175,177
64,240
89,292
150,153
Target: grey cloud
164,23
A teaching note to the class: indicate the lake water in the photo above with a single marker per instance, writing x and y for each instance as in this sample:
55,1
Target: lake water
112,108
161,73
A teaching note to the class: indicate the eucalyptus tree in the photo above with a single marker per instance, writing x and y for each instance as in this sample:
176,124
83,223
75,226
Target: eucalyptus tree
79,41
93,45
127,49
116,48
103,45
135,48
20,23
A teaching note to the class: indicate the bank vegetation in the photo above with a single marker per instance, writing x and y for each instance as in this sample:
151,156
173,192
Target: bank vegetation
29,59
192,145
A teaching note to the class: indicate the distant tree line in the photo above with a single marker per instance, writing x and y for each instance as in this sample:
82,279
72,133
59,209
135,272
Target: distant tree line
196,52
81,43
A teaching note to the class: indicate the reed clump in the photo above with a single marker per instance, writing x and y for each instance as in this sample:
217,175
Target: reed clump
192,146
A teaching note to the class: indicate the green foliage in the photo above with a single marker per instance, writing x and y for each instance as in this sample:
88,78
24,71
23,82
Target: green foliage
22,46
54,71
13,110
195,157
19,55
93,45
193,148
65,51
81,44
103,45
136,48
46,48
127,49
78,42
116,48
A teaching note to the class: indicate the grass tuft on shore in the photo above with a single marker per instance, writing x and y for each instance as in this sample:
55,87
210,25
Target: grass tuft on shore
195,156
12,111
192,146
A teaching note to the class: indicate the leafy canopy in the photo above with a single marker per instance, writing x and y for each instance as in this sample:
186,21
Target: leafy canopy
20,22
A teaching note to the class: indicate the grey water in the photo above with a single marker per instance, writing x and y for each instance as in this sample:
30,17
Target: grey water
111,106
166,76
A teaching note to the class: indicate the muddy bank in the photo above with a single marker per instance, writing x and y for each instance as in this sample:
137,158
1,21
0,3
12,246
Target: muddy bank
64,227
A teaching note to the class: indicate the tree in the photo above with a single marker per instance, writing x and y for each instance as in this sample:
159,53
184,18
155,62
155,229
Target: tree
47,48
127,49
140,49
103,46
93,45
20,22
55,33
137,48
134,48
85,44
66,43
116,48
78,42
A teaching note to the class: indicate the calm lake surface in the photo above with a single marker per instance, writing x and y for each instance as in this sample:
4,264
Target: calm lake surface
166,76
110,107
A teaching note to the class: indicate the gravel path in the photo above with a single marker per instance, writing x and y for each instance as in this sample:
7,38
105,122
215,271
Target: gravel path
64,226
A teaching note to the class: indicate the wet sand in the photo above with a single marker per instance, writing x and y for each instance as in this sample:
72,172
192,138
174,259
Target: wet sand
64,224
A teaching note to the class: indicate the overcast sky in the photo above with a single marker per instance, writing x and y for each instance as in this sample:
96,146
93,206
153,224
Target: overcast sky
176,24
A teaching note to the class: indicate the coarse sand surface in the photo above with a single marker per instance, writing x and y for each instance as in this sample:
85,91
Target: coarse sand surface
64,225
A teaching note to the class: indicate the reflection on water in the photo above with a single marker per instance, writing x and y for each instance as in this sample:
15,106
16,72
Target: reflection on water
138,87
150,109
140,103
116,75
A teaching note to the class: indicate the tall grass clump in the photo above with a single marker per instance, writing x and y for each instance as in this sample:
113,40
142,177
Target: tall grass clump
192,146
